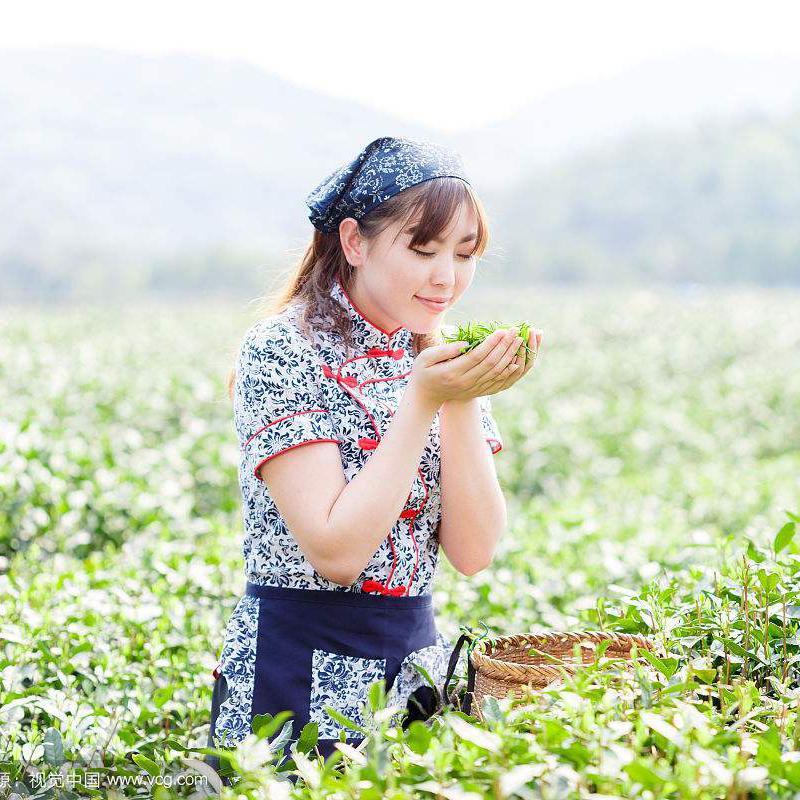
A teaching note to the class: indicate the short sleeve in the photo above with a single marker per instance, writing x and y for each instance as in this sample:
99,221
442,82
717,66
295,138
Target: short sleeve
491,431
277,400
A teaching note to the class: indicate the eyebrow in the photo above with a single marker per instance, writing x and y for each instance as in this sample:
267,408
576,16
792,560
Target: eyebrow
468,238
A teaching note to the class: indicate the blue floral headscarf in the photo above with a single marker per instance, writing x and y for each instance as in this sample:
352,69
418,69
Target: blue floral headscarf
383,168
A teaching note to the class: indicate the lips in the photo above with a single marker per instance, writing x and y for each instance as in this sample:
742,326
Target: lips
432,304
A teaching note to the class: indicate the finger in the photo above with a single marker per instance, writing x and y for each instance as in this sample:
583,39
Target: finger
505,379
477,354
534,340
519,365
509,347
522,349
472,366
524,361
496,362
529,351
484,357
510,372
502,369
444,352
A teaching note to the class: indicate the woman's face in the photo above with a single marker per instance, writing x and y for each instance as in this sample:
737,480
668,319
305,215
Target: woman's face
391,279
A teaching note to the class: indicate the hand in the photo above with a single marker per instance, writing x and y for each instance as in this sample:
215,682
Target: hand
442,373
534,342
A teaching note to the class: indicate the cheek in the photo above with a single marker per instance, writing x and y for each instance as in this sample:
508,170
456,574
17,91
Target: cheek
464,278
407,276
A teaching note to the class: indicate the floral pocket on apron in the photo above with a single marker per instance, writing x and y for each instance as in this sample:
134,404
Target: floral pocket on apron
409,680
342,682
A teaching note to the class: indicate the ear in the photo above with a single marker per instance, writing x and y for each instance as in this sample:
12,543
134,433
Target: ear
353,246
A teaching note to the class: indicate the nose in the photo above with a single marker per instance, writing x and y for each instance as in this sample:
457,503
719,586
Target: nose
443,274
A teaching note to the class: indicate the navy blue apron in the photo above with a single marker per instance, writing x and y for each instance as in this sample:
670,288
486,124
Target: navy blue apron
320,646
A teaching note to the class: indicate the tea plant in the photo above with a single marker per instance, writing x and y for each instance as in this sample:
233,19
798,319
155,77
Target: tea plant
650,469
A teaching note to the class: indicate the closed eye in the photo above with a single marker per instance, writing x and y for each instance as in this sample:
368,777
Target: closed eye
425,254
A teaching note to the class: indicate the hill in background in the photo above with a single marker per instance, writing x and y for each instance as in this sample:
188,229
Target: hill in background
185,174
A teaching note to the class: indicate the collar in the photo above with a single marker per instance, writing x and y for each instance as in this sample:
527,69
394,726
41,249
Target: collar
366,334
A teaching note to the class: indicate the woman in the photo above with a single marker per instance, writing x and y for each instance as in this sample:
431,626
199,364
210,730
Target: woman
366,443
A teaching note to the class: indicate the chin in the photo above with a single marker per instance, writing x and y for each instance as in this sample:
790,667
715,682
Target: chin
428,324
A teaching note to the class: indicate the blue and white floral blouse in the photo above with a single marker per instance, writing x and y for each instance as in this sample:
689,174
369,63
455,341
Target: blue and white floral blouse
290,391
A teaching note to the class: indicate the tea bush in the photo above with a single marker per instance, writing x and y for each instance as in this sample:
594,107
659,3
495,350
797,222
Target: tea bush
650,464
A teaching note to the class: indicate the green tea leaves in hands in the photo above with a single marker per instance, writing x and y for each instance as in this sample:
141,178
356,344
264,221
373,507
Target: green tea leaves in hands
475,332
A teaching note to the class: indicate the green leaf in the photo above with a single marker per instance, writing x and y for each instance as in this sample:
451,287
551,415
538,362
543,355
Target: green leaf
784,536
517,777
260,720
477,736
128,736
705,675
146,764
491,709
377,695
601,648
554,732
735,648
644,774
176,745
425,674
666,666
791,771
767,754
161,695
283,737
308,737
343,720
578,754
753,553
418,737
661,726
265,725
53,747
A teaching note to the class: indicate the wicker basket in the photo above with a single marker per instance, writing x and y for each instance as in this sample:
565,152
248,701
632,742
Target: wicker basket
503,663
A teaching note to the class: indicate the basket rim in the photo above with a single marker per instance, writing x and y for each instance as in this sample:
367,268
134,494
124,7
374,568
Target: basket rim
502,669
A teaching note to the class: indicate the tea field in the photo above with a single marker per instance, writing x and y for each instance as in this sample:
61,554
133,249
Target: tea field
651,465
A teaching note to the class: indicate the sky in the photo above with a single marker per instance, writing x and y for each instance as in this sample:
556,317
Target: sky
449,65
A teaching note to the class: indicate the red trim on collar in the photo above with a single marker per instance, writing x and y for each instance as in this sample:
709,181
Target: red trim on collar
350,380
363,315
375,352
